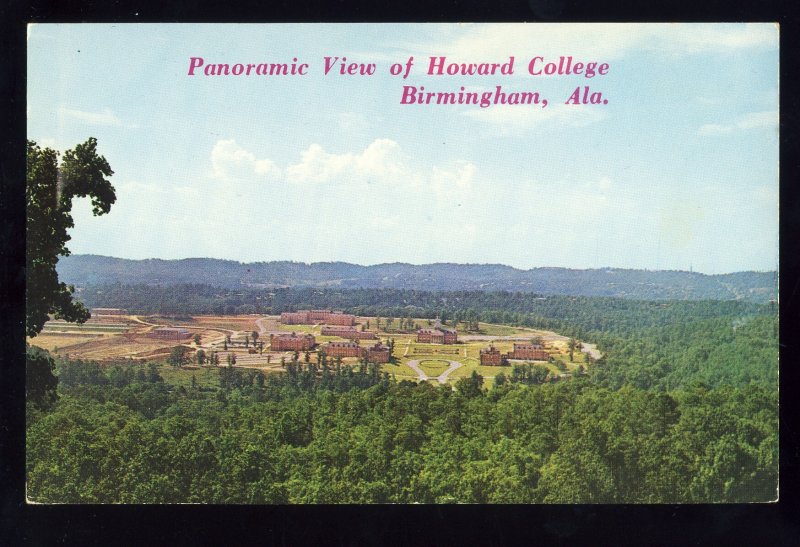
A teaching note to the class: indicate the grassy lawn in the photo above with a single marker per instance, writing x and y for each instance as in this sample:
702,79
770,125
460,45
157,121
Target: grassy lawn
434,358
300,328
579,359
504,330
434,367
205,376
90,328
400,371
486,372
163,320
432,364
434,351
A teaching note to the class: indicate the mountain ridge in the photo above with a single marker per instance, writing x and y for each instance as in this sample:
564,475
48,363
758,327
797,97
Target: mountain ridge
752,286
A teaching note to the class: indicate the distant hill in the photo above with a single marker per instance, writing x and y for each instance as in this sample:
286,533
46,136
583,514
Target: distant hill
82,270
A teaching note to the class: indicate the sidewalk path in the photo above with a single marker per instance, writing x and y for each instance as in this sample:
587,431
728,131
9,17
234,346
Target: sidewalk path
442,378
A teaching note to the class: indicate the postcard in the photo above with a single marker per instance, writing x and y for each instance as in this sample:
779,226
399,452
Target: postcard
402,263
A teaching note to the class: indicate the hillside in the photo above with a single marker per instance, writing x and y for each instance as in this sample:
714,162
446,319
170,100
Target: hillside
82,270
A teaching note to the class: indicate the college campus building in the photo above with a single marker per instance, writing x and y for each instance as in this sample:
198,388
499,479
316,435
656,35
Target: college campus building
343,349
292,342
294,318
530,352
378,353
437,336
170,333
491,357
347,332
310,317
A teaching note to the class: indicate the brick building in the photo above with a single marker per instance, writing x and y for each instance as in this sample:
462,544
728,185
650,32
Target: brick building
318,315
170,333
343,349
347,332
378,353
292,342
309,317
437,336
532,352
491,356
339,318
294,318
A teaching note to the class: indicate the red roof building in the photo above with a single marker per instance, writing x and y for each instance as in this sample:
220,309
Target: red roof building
437,336
491,357
170,333
350,333
343,349
378,353
292,342
310,317
532,352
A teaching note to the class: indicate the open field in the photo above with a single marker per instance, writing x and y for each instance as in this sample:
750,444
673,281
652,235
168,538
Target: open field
89,328
243,323
61,343
400,371
130,337
433,367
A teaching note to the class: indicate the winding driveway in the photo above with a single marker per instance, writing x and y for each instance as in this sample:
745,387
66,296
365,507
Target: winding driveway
442,378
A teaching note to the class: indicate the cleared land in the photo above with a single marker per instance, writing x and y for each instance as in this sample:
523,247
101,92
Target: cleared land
230,337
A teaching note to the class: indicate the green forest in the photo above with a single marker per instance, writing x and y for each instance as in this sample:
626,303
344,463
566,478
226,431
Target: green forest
682,408
82,270
577,315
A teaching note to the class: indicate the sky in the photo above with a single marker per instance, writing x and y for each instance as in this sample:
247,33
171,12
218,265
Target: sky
678,171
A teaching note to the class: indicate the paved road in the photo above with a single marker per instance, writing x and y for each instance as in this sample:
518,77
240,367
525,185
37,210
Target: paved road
261,328
442,378
415,366
453,365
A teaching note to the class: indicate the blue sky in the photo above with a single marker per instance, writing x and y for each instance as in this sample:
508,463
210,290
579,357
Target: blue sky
679,170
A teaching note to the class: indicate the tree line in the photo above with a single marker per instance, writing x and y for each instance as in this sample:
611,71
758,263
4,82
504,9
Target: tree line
576,314
680,409
362,438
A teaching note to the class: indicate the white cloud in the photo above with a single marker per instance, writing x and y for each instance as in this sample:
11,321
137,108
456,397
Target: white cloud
714,129
698,38
752,120
377,180
513,117
382,159
231,161
758,119
603,184
444,180
495,43
592,41
352,121
104,117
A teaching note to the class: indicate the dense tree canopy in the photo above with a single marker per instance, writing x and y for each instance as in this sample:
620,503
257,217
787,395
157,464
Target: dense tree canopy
682,408
570,315
49,192
344,435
